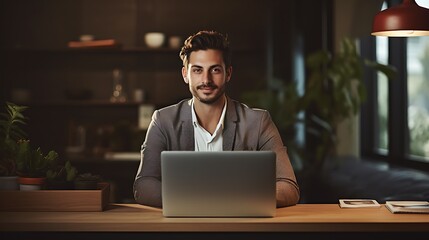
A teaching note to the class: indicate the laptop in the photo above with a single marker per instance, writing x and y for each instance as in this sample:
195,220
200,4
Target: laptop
218,184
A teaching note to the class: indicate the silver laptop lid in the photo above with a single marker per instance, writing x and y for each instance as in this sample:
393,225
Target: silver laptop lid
218,184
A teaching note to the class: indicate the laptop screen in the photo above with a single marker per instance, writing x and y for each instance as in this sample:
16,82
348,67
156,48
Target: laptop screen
218,184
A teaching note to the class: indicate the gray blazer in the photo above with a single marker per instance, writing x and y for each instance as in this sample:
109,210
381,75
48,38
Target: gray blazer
244,129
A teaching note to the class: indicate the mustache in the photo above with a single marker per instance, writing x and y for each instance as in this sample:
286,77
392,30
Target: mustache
208,85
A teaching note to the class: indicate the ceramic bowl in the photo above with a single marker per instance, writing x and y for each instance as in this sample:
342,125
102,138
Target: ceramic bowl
154,39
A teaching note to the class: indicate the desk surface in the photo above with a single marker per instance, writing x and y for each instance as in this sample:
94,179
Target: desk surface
137,218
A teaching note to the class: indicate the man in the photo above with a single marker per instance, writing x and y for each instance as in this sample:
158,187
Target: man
210,121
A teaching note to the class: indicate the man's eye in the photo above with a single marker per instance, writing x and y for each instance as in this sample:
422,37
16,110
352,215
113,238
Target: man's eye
216,70
196,70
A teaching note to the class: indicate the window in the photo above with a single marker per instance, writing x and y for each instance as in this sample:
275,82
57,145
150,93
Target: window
382,49
418,96
398,118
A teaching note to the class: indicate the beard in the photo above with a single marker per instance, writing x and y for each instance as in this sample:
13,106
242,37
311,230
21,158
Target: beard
218,92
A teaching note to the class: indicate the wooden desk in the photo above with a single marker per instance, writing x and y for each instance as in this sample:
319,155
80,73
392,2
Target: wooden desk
133,218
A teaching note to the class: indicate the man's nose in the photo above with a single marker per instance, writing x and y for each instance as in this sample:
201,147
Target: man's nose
207,77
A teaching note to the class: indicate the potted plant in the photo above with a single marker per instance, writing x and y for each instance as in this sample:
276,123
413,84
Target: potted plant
32,166
87,181
10,133
61,176
334,91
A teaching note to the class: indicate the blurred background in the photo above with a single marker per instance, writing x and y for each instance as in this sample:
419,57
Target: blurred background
91,80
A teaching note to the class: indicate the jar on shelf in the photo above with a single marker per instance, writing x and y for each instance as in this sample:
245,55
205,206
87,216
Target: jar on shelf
118,94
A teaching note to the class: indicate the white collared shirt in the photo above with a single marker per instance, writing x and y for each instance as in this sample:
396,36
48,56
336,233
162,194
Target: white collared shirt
204,141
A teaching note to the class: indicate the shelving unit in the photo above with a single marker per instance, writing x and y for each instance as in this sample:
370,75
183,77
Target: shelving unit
37,60
118,50
108,127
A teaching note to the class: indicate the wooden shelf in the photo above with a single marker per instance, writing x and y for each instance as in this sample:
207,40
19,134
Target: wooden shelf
94,50
89,103
117,50
108,157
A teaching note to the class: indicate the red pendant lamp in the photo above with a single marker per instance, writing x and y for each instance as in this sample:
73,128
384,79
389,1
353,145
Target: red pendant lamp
404,20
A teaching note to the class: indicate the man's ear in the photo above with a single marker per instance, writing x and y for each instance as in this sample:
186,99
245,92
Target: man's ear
184,75
228,73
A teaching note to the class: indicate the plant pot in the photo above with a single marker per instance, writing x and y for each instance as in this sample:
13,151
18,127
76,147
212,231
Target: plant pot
31,184
86,184
9,183
59,185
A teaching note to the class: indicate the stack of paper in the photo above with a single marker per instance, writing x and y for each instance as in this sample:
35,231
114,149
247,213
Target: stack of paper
408,206
359,203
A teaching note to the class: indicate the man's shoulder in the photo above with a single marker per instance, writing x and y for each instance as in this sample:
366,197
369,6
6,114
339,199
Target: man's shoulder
242,112
175,110
175,107
242,107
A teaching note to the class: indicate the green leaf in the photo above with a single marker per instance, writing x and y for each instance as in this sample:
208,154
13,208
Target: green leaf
389,71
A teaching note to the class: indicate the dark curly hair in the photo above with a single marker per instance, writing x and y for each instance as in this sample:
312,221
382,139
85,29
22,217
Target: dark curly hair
204,40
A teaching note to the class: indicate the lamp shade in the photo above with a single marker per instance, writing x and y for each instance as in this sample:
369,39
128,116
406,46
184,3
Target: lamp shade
404,20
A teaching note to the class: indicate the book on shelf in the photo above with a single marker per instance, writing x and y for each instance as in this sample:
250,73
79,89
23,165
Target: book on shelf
407,206
94,43
359,203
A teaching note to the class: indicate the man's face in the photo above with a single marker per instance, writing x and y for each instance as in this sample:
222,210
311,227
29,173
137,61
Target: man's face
206,75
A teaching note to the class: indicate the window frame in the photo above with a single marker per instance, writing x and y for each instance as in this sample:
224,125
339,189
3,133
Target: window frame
398,132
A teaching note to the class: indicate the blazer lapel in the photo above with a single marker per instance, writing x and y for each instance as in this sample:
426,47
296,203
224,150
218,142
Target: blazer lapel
230,125
187,139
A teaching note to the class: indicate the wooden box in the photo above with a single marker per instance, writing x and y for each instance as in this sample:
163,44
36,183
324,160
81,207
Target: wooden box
56,200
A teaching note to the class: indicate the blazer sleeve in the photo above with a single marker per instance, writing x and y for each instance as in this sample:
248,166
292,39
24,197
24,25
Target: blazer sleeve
147,183
287,187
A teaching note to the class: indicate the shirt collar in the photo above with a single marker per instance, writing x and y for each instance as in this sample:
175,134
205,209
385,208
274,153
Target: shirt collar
221,120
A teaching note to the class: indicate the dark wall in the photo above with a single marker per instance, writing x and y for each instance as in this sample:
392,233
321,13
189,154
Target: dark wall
269,39
47,26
